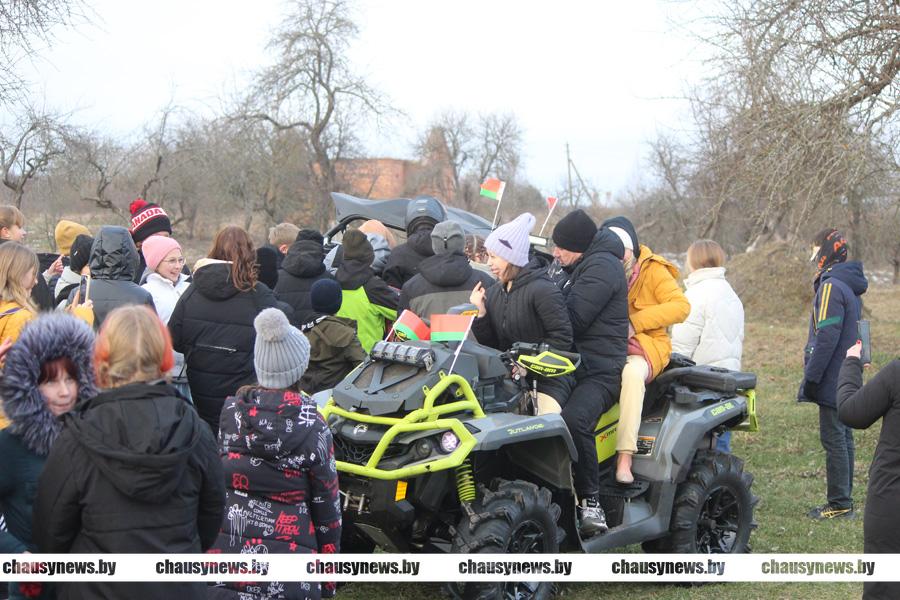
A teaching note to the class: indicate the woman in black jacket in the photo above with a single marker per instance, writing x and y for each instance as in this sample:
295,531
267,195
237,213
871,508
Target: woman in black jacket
524,305
212,324
134,470
859,406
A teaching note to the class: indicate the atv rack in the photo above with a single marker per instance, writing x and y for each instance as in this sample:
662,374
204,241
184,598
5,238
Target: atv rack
426,418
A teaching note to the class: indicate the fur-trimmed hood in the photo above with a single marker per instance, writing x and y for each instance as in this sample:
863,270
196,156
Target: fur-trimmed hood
48,337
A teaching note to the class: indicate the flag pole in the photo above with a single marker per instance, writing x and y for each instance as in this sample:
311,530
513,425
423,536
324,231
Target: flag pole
499,200
459,347
549,212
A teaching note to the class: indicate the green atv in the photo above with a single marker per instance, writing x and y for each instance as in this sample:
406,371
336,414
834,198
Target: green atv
434,461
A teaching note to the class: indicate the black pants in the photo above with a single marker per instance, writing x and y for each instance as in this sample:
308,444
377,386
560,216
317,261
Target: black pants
591,397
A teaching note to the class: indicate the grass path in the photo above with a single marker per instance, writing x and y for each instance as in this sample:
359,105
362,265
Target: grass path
789,466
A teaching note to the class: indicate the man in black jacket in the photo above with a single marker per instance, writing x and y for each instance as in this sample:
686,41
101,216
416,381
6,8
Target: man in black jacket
422,214
597,301
302,267
446,279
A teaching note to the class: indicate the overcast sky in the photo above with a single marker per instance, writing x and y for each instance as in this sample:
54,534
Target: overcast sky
603,76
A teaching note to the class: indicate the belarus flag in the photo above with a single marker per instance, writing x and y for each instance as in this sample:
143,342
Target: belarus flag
493,188
450,328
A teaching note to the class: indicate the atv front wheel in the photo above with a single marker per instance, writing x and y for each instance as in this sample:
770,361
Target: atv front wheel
713,511
514,517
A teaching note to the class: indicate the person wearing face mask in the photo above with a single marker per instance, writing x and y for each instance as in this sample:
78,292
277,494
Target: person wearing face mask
45,374
166,282
655,302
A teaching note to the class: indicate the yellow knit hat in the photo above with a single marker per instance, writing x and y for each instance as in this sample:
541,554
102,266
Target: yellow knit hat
65,234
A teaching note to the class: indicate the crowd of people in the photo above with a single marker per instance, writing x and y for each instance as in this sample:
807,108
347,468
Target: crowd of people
153,407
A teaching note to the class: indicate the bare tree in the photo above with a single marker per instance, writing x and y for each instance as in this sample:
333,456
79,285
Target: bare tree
312,88
23,24
93,164
27,150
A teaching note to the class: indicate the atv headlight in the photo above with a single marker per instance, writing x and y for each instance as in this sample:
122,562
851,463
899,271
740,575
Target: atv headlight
449,442
423,448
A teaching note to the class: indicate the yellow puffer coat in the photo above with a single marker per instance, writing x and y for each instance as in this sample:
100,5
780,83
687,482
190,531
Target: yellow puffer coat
11,327
655,302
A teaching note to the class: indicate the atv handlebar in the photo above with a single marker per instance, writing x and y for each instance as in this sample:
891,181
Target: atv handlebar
520,348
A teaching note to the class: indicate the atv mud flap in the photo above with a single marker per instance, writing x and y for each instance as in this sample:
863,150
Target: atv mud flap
377,509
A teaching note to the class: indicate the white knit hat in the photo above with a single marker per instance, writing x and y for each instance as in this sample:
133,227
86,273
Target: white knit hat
281,351
510,241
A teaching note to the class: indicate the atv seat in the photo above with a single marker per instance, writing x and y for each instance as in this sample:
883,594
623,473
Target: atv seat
682,372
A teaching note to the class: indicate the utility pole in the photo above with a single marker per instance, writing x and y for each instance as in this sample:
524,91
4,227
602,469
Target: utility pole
569,167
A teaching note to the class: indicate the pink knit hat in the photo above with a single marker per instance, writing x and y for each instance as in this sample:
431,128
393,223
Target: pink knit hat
156,248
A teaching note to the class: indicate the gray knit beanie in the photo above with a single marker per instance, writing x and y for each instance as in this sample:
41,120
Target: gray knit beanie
281,351
448,237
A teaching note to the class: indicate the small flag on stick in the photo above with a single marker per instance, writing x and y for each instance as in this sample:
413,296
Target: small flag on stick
410,327
551,204
450,328
493,189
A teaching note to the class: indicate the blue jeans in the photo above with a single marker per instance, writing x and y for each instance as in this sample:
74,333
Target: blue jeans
837,440
723,443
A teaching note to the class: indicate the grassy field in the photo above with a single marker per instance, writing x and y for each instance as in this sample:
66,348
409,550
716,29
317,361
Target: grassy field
787,461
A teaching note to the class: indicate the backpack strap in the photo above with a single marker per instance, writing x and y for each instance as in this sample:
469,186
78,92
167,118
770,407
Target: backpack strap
11,311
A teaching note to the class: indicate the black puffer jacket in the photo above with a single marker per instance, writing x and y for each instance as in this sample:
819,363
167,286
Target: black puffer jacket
114,262
134,470
302,267
443,281
597,298
212,325
532,311
404,260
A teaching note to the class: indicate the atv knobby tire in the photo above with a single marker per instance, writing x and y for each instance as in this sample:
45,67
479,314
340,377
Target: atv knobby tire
713,510
513,517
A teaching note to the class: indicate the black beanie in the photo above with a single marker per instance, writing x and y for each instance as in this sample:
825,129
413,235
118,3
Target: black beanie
80,253
267,266
624,223
357,247
575,231
326,296
310,234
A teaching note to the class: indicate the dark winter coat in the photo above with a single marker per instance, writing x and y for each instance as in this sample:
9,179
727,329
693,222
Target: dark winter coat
597,300
114,262
282,490
212,325
532,311
832,330
859,407
334,351
25,444
443,281
366,300
404,260
302,267
134,470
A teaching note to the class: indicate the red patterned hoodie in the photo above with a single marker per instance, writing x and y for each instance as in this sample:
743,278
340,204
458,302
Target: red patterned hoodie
281,484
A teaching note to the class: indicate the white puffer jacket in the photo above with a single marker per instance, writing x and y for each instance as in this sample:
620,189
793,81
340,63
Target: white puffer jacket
165,297
713,333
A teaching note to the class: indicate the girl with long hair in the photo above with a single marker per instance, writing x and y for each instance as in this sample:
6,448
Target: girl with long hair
212,323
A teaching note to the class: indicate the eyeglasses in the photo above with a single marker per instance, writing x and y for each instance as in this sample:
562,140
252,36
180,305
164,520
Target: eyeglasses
174,261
